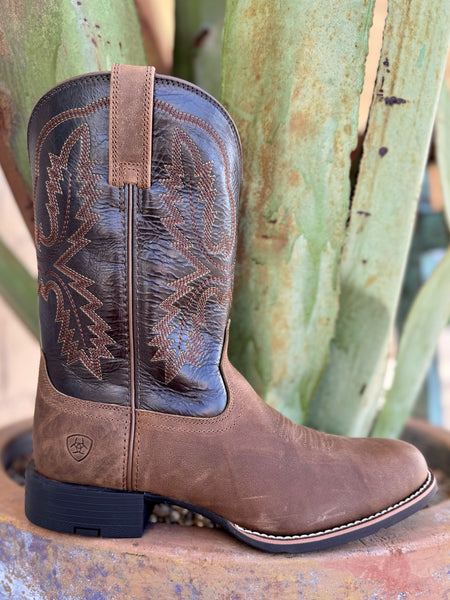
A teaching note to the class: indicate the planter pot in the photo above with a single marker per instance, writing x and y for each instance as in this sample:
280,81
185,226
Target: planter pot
409,560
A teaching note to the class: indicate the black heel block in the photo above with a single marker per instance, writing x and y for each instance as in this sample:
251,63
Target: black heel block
85,510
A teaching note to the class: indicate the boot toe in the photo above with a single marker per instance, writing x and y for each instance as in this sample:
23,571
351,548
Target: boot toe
405,469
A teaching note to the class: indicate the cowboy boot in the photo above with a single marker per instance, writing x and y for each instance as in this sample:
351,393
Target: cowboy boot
136,182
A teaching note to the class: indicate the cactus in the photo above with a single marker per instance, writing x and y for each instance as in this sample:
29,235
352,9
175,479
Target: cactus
315,300
320,262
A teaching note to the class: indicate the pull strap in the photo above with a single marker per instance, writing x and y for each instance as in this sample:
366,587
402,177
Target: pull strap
130,125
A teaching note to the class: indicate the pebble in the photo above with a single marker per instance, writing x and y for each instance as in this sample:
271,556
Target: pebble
166,513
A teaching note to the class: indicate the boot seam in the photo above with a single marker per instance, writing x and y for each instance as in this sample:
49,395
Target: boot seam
123,286
131,245
137,282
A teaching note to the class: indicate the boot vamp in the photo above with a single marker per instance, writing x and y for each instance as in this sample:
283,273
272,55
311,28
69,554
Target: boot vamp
259,470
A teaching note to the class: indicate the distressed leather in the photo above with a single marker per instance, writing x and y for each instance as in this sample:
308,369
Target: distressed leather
258,469
130,125
77,441
249,464
135,284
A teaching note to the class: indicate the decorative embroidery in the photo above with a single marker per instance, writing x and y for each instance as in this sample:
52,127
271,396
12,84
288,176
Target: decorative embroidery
71,113
227,243
87,341
190,177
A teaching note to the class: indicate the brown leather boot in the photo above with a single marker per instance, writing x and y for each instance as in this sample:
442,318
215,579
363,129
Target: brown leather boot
136,182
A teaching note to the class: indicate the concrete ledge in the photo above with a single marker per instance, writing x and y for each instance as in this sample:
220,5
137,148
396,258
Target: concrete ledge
409,560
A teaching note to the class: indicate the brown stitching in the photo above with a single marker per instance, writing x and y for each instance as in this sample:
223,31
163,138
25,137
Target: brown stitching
228,247
58,163
138,455
78,409
137,262
123,287
131,327
113,121
168,80
74,413
232,414
104,77
44,291
211,257
90,358
160,80
163,329
71,113
175,357
124,458
64,228
148,99
142,168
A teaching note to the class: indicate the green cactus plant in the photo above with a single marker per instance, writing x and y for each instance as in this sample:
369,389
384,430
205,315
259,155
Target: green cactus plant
40,45
320,262
320,271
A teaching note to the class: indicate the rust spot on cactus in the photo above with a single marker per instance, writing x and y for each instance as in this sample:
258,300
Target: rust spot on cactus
303,124
294,178
5,50
5,115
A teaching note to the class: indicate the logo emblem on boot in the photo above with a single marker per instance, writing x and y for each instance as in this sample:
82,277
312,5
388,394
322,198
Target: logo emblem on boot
79,446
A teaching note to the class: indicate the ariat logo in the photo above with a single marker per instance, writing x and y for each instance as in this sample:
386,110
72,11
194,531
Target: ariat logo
79,446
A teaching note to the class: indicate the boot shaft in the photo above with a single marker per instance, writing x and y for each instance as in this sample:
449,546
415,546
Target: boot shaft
135,281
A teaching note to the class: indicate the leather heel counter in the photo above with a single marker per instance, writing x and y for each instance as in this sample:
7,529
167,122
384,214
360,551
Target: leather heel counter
79,441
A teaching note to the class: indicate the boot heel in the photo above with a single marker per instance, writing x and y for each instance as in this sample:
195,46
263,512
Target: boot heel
85,510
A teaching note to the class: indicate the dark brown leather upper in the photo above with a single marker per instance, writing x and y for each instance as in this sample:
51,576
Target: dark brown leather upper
135,284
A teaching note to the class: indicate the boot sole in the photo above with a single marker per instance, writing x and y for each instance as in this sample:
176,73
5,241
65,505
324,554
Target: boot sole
100,512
